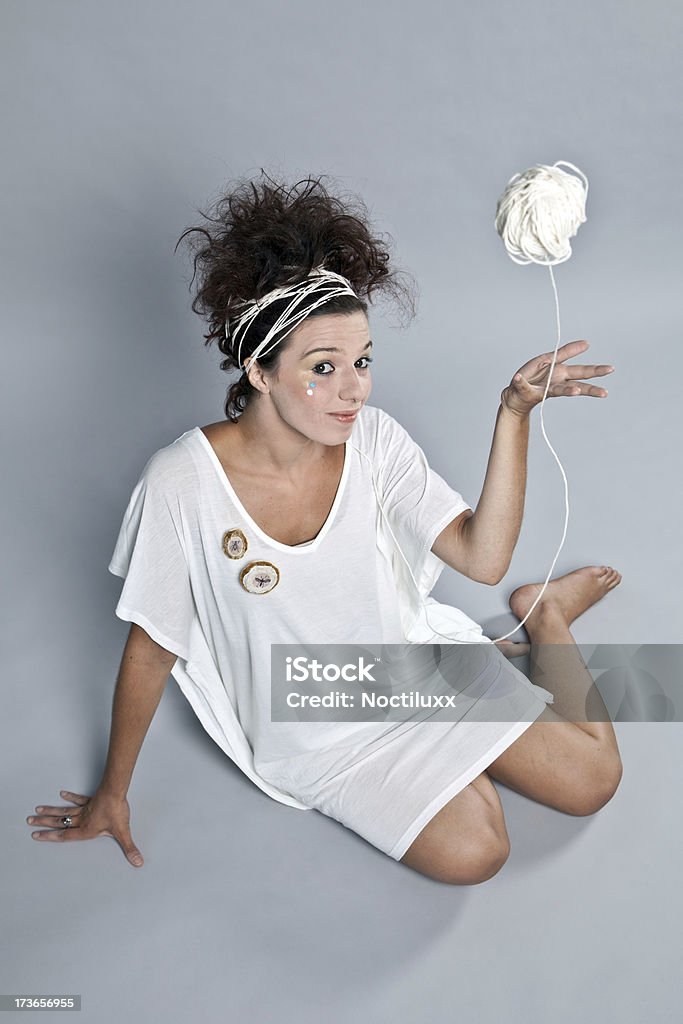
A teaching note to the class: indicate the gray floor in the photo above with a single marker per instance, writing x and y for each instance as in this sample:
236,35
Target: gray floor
261,912
123,120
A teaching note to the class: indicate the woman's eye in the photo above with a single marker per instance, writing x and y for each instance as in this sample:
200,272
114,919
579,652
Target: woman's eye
323,373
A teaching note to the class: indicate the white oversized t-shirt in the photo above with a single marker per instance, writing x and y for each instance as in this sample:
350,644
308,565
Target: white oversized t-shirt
348,585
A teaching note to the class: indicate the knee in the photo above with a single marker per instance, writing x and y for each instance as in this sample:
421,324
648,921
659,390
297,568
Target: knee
602,789
479,862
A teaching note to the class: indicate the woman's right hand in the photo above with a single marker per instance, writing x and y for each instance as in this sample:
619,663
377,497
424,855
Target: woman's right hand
99,815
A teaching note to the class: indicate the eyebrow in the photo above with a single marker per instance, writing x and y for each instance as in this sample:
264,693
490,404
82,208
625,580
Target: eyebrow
312,350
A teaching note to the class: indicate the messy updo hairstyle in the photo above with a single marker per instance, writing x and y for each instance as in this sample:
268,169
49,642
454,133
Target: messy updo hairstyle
261,235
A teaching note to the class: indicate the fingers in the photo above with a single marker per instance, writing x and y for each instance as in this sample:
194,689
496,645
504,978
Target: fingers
131,851
88,821
581,388
72,834
77,798
59,835
558,390
54,820
572,348
575,372
572,372
51,817
59,810
539,367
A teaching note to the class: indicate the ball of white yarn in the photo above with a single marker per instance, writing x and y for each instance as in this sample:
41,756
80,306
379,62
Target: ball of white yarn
539,211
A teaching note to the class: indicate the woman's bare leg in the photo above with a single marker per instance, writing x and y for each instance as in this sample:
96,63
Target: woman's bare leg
555,660
568,758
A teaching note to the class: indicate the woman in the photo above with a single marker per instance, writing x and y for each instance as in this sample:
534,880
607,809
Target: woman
310,516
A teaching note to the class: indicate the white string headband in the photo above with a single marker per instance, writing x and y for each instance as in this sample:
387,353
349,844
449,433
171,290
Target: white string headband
320,279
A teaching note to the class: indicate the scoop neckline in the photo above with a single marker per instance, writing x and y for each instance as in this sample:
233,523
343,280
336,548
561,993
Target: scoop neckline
294,549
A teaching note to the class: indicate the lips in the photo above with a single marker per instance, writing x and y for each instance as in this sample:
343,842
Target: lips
344,417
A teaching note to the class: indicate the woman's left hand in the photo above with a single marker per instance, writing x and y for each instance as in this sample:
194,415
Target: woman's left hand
527,387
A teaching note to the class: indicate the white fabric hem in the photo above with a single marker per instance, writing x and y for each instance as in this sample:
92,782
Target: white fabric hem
435,805
197,700
127,615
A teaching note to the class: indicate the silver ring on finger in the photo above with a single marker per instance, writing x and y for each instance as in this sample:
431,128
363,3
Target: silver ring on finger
66,821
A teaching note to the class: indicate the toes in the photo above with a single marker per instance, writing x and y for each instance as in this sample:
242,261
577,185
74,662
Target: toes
607,576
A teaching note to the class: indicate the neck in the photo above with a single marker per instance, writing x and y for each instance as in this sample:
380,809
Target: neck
272,446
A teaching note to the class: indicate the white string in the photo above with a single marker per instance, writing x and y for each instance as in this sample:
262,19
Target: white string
400,550
536,215
539,211
564,477
319,279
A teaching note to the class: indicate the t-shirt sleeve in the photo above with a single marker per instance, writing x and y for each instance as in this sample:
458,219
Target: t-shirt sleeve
150,555
418,502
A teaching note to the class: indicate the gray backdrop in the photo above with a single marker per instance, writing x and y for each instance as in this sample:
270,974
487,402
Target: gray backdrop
119,121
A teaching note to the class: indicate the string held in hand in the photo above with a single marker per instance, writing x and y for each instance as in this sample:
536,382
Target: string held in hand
538,212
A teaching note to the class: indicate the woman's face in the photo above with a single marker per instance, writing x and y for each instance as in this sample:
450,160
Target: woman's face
325,369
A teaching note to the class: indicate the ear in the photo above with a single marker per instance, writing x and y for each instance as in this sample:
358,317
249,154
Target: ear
257,378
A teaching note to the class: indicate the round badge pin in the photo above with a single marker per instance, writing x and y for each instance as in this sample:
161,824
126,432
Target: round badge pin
259,577
234,544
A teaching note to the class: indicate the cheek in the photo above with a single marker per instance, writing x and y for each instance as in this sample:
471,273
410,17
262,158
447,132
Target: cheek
312,385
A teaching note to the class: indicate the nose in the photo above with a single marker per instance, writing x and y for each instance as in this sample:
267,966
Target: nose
353,388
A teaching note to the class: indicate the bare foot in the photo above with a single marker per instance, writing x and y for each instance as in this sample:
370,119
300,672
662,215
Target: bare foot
511,649
568,596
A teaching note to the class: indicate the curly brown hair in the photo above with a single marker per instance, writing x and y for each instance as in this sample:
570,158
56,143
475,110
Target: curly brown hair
261,236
